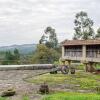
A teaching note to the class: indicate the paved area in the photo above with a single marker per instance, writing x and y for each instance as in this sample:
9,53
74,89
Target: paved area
14,79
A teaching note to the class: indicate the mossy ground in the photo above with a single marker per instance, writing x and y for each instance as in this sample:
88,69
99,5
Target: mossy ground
82,79
72,96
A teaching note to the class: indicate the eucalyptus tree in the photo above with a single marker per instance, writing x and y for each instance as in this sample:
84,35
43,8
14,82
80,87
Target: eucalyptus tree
51,40
83,26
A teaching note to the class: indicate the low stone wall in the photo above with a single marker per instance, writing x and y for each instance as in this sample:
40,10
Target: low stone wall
26,67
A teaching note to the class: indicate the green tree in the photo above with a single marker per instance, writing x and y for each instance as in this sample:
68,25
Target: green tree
48,49
43,39
16,56
52,37
83,26
45,55
98,33
9,58
52,42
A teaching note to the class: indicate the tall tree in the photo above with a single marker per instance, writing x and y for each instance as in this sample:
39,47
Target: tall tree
52,37
43,39
52,41
83,26
48,49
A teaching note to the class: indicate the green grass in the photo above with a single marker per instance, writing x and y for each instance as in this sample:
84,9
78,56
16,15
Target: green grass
72,96
1,98
25,98
80,67
83,79
98,66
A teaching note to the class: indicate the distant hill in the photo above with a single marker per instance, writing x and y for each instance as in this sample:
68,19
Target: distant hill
23,49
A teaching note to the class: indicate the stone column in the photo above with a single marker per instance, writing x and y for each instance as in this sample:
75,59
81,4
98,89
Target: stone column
63,51
86,67
91,67
84,53
69,64
84,58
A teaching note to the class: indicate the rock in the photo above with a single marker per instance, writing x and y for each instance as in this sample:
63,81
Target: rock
65,69
77,85
53,71
44,89
72,70
9,92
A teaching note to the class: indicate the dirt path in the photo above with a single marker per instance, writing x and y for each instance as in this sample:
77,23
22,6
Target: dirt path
14,79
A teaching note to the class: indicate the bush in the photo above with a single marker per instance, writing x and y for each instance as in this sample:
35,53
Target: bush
72,70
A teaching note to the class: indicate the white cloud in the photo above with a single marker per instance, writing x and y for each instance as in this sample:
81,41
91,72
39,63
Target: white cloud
24,21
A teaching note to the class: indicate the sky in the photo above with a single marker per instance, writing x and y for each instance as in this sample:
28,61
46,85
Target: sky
24,21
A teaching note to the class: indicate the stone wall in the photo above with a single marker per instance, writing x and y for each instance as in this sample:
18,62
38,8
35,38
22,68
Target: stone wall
26,67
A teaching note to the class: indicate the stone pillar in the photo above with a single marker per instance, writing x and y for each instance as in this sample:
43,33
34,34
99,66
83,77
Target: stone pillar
69,64
84,57
86,67
84,53
91,67
63,62
63,51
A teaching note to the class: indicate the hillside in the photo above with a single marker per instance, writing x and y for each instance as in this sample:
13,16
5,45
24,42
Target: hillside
23,49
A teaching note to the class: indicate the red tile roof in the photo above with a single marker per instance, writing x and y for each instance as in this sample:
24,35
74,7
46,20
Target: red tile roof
81,42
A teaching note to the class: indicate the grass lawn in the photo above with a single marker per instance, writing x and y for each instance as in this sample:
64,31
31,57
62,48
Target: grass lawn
26,98
82,79
1,98
98,66
72,96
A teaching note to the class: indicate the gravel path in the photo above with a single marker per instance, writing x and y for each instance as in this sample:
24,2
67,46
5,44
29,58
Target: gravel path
14,79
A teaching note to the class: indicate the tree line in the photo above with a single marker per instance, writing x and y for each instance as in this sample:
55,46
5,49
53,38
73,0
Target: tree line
11,57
